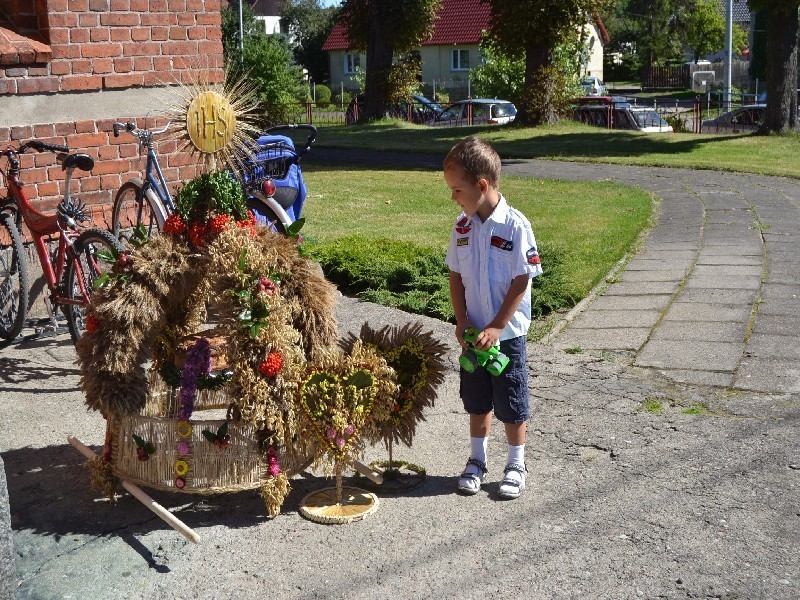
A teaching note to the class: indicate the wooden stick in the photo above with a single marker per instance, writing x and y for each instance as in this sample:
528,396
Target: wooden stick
367,472
139,494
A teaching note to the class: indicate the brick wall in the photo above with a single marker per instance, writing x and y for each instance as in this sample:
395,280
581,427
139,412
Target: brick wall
102,45
116,161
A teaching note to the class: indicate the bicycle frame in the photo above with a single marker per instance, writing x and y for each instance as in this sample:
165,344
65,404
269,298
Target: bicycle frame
154,179
41,226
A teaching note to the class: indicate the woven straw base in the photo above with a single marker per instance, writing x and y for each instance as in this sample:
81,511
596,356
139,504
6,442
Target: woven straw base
321,506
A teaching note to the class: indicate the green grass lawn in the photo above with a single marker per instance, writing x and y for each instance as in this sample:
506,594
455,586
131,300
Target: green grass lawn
380,221
567,140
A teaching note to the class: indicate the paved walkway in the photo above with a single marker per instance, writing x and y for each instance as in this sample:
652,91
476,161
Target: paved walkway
641,485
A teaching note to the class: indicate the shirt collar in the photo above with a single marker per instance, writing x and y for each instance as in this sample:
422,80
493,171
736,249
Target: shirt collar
500,211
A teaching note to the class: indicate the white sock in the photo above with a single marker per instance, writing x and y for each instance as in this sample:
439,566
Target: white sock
478,448
516,456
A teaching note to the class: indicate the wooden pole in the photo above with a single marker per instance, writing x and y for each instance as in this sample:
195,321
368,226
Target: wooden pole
139,494
367,472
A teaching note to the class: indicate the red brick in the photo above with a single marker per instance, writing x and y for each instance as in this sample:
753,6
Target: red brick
60,67
185,173
140,34
177,33
66,52
98,5
40,71
21,133
143,49
28,86
62,19
159,34
120,34
44,130
162,63
195,5
167,146
196,33
123,80
128,150
159,19
8,86
208,19
65,128
55,6
5,134
123,65
106,125
142,63
111,166
102,65
158,6
81,66
187,19
101,50
46,189
88,140
176,6
83,82
59,35
108,152
120,5
179,48
85,127
26,160
101,34
164,78
90,184
209,47
120,19
16,72
140,6
110,182
213,6
180,159
89,20
78,5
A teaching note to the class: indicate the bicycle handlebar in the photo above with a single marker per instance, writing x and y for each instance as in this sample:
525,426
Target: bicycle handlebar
311,137
42,147
130,127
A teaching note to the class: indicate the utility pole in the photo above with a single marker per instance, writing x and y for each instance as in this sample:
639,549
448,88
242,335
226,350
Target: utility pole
241,33
728,53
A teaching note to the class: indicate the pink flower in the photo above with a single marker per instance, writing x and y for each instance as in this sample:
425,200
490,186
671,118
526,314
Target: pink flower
274,469
184,448
331,433
180,483
349,430
266,285
340,442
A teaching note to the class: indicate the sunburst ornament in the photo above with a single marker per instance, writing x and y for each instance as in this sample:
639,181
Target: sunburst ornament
215,121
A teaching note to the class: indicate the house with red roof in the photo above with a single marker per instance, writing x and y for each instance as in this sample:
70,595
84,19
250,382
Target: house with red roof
452,50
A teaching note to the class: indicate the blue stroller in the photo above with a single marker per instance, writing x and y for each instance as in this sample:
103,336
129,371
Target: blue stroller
273,180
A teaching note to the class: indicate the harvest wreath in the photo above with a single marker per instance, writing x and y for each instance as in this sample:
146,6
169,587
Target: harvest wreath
273,312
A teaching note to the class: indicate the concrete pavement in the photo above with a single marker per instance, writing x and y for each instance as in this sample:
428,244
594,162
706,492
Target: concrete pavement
658,468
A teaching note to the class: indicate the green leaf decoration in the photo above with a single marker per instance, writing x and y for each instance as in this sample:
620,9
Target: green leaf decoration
209,435
243,260
139,441
107,255
101,281
295,227
360,379
149,448
245,315
223,431
254,329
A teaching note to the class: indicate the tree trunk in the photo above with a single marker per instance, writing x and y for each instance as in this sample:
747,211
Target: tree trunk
537,105
781,112
379,62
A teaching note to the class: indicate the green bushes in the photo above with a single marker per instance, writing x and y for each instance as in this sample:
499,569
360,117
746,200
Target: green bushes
416,279
323,94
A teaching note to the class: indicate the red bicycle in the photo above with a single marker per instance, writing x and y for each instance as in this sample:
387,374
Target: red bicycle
70,270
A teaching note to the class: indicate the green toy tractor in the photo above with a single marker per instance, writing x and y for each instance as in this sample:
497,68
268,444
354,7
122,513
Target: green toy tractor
492,359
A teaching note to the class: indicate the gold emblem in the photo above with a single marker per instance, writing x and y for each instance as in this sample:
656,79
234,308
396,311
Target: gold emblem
211,121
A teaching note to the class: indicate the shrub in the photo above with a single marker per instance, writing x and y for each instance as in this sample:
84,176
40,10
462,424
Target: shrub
342,98
323,94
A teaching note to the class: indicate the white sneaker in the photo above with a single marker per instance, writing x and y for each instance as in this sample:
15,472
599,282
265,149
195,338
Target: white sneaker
470,480
514,481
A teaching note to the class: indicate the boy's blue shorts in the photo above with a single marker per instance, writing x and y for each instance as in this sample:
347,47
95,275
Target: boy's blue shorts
506,393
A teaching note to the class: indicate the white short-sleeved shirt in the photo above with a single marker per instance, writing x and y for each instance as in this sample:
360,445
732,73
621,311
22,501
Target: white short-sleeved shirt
488,256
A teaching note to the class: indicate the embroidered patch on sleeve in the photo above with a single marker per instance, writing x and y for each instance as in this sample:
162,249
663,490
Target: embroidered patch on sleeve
499,242
462,241
533,257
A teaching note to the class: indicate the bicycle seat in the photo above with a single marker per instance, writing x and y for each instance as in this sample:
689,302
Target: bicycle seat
84,162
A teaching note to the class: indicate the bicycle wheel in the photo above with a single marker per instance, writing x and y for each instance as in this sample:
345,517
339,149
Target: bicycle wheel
84,266
133,207
14,282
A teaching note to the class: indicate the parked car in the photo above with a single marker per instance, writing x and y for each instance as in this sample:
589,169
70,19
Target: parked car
592,86
421,109
618,113
739,120
489,111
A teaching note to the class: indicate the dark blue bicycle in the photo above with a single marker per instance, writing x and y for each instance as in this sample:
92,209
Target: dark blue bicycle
272,180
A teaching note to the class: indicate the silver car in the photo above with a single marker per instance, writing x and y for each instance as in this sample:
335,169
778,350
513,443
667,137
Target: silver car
485,111
739,120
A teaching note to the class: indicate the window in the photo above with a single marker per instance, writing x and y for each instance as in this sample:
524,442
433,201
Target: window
352,62
459,60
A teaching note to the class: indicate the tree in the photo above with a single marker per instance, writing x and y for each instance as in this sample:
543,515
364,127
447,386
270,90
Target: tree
782,29
386,28
266,63
533,29
309,24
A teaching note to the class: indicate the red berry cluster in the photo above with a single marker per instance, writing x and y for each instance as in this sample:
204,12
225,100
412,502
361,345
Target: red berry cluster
219,223
142,454
222,442
249,223
272,460
271,366
266,285
124,263
197,233
92,323
174,225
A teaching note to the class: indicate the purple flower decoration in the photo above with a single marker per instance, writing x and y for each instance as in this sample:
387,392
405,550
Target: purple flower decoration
198,362
340,442
184,448
349,430
331,433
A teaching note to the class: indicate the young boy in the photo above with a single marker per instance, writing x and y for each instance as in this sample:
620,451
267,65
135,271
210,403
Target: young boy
492,257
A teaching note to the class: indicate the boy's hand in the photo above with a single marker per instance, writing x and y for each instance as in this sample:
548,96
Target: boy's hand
487,338
460,328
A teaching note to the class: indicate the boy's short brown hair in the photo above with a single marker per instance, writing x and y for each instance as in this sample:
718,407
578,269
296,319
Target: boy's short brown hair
477,158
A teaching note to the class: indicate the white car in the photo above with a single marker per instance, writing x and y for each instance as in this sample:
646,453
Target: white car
592,86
